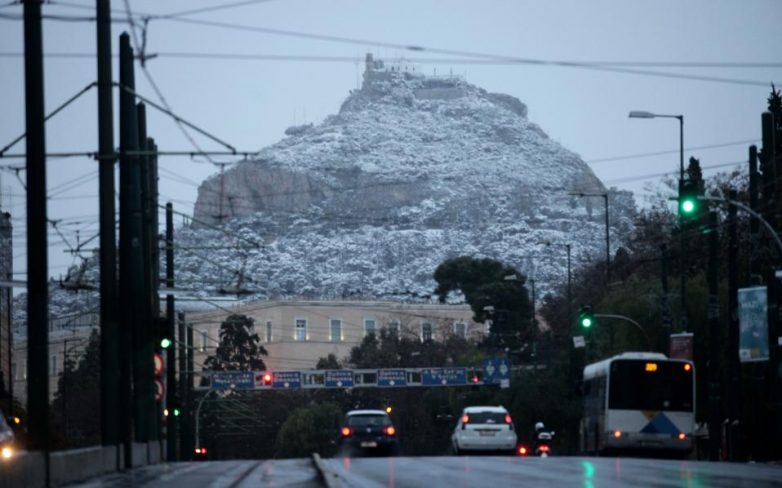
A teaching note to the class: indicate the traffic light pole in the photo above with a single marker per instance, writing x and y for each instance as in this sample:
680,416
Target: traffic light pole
740,205
626,319
171,420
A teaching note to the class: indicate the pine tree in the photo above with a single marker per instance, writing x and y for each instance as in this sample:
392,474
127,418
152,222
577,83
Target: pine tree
239,349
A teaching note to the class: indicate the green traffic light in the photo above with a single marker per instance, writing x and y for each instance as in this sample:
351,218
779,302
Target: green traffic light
165,343
176,412
586,322
688,206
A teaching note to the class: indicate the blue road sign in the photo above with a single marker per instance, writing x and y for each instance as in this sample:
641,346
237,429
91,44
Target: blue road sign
495,370
444,376
286,379
391,377
339,378
237,380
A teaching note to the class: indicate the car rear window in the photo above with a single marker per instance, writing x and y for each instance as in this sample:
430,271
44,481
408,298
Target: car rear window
486,417
368,420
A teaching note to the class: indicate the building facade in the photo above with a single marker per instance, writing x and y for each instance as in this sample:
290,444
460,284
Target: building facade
296,334
68,339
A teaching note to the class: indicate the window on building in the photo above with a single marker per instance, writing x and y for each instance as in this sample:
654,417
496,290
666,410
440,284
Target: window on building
268,331
426,331
393,328
370,327
460,329
204,339
53,365
300,334
335,326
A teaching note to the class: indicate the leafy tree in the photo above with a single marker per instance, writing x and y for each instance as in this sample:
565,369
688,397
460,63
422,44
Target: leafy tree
76,404
239,349
494,291
329,362
310,429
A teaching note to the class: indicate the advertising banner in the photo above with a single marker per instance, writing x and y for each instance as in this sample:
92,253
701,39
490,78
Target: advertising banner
753,324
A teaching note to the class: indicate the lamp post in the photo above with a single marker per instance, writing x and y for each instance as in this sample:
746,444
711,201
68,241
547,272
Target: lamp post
641,114
604,196
569,280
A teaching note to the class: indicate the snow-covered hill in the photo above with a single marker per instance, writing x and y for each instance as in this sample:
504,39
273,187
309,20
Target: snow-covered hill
414,169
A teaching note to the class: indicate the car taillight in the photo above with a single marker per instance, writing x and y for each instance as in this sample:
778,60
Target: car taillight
508,419
390,430
522,450
544,448
465,419
346,431
682,436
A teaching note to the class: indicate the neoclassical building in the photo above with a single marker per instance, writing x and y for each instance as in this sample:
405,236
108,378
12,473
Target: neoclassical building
297,333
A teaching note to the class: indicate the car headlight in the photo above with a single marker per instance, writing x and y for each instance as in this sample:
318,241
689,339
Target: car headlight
6,452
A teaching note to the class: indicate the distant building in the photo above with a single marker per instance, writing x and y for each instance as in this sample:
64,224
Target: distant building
6,295
68,339
297,333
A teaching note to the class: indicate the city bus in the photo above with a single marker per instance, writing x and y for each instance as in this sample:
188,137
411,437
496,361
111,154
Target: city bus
638,402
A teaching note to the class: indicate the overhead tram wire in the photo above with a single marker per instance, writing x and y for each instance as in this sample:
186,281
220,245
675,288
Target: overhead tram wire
671,151
457,61
616,67
460,53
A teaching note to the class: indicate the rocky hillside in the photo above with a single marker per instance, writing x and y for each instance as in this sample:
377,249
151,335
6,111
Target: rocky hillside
412,170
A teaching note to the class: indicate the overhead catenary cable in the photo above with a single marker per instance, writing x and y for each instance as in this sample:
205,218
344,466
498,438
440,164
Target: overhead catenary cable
228,56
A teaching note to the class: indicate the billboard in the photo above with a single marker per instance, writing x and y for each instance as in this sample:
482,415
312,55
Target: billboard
753,324
681,346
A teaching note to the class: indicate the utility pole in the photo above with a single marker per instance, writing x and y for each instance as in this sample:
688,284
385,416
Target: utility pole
109,330
187,410
735,428
712,274
144,377
665,305
171,420
37,259
772,159
604,196
181,340
129,243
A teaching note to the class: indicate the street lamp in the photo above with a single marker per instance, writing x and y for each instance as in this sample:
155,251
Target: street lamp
640,114
604,196
569,282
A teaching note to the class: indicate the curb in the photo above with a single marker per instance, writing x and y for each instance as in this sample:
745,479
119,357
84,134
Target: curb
330,479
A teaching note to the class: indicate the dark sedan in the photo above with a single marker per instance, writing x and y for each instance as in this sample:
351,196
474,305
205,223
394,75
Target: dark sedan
368,432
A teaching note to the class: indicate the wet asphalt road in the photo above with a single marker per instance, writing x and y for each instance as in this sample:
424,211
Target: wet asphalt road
450,472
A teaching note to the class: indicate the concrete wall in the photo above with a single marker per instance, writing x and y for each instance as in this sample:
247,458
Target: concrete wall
28,469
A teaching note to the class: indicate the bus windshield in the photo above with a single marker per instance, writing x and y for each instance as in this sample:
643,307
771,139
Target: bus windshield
650,385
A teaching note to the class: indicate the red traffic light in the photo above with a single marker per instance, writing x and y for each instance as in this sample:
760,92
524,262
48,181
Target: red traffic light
267,379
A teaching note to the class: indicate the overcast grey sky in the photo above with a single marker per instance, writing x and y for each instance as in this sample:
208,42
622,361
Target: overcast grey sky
249,102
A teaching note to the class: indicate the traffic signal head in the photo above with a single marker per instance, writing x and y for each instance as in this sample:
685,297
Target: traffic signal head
267,379
586,318
165,342
688,198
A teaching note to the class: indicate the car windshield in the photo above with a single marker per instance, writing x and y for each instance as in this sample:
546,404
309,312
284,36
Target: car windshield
486,417
368,421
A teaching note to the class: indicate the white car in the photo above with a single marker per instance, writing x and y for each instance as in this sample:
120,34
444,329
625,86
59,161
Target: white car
484,429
